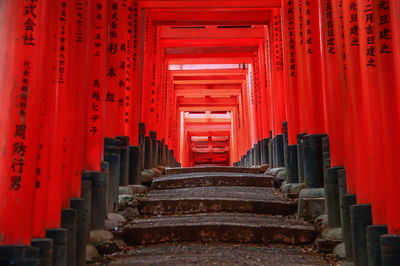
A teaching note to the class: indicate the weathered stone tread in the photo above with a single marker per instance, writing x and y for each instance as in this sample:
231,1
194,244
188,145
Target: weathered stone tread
183,170
217,199
204,179
218,227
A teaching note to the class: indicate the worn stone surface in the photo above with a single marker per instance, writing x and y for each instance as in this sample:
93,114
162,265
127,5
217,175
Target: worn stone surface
147,177
218,254
219,227
264,167
116,218
100,235
204,179
296,188
275,171
157,172
212,169
332,233
321,222
310,208
216,199
162,169
138,189
126,201
325,245
312,193
91,252
125,190
339,251
130,212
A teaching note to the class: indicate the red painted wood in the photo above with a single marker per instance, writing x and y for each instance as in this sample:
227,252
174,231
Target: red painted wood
21,95
335,80
290,71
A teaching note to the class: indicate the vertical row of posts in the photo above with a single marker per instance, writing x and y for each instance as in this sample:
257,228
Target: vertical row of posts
67,143
342,111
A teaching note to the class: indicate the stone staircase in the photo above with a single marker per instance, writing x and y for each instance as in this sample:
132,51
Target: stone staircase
216,204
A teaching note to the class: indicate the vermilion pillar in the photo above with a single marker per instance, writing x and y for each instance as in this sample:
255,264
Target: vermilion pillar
97,21
300,58
19,117
387,37
277,73
313,68
353,95
335,82
291,71
393,181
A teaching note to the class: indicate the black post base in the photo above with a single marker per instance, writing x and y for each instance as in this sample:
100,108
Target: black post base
390,250
313,165
45,246
291,164
60,250
361,217
19,255
373,234
346,202
68,222
98,201
332,197
300,157
81,216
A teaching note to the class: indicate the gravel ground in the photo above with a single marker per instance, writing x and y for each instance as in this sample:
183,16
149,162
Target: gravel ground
216,254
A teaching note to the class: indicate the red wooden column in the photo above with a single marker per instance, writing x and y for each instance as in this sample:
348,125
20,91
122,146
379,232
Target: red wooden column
335,82
291,73
277,73
257,96
354,169
78,42
20,137
95,84
264,83
134,95
268,66
114,74
301,63
46,136
386,34
313,68
372,109
392,117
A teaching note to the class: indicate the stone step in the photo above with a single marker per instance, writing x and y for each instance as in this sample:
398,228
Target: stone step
216,199
204,179
185,170
218,227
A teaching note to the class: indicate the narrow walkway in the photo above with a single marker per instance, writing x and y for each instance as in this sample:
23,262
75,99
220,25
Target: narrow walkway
217,216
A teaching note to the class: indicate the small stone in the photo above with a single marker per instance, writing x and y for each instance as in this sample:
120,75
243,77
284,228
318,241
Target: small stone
100,235
109,225
264,167
162,169
321,222
285,188
282,175
126,201
332,233
339,251
310,208
147,177
296,188
157,173
125,191
116,218
275,171
120,243
130,212
138,189
91,252
312,193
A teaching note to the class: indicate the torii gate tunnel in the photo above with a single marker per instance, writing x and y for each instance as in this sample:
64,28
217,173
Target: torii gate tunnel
93,92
